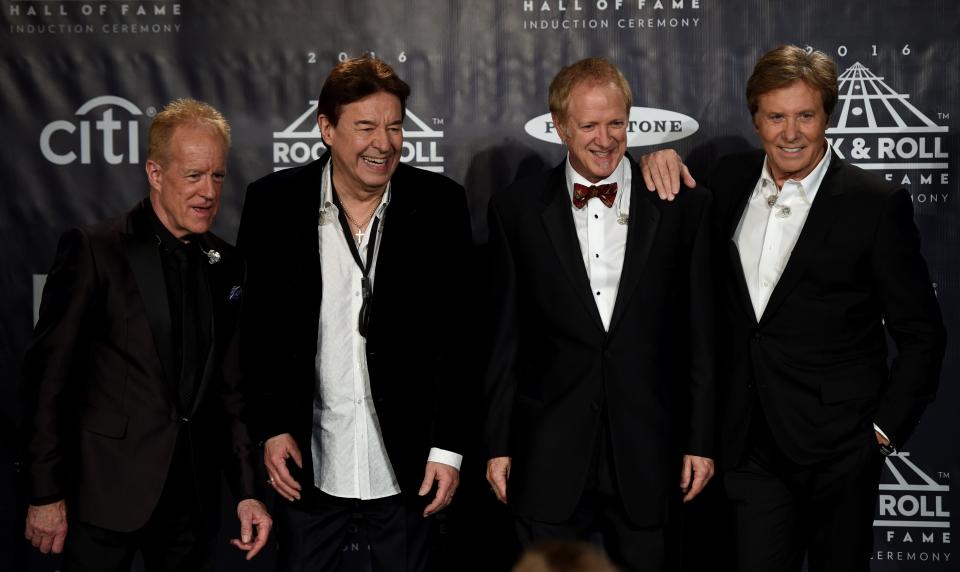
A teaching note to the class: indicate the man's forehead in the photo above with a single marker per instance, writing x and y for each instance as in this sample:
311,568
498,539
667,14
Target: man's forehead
378,105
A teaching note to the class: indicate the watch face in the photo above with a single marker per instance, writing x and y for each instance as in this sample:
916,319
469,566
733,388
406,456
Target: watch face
887,450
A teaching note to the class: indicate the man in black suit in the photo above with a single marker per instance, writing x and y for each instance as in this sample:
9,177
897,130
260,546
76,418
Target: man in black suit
355,278
817,260
600,383
133,400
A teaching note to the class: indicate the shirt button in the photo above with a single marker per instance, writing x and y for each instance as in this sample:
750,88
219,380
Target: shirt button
598,293
765,284
596,216
597,255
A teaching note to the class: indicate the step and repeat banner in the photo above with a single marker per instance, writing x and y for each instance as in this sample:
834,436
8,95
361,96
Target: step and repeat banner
80,81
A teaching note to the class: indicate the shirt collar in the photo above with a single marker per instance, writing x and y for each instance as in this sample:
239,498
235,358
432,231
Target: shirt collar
163,234
326,193
808,186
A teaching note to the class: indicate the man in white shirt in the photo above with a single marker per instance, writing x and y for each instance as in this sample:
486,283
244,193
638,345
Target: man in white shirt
817,261
600,382
356,265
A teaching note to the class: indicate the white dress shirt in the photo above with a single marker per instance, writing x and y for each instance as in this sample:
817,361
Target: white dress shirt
347,443
602,233
767,234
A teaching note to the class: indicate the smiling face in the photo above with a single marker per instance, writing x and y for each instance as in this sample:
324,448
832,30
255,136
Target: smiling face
365,144
792,126
185,187
594,129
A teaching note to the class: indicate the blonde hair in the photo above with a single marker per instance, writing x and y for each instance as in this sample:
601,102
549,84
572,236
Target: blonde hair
596,71
179,112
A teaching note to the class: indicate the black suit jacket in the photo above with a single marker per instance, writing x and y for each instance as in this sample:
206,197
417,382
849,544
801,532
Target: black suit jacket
414,342
555,375
817,358
102,409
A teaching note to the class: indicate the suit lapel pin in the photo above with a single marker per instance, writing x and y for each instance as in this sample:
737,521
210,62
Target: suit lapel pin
234,294
212,255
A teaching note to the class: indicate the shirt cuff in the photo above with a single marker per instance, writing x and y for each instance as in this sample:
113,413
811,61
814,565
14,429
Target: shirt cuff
880,431
445,457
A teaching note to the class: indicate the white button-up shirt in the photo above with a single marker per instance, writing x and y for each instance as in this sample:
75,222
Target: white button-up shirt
602,237
349,456
767,234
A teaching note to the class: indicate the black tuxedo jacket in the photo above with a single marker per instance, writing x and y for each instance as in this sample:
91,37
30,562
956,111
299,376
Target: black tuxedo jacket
816,360
103,418
414,342
555,375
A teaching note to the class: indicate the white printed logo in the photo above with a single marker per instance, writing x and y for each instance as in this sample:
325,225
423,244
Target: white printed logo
880,129
646,126
60,141
300,142
912,519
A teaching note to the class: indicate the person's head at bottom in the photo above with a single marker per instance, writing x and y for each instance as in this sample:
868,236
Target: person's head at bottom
563,556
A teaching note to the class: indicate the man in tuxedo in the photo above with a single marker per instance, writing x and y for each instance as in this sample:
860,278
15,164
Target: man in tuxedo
817,261
600,382
356,266
133,398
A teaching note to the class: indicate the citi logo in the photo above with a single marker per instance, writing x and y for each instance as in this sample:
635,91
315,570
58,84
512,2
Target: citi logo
103,125
646,126
301,142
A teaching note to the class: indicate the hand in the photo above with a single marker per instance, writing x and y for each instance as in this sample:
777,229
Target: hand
252,514
47,526
695,469
662,171
498,473
276,451
448,479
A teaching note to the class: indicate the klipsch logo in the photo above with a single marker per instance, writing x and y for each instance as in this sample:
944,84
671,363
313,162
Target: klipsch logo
300,142
108,17
880,129
637,15
912,516
105,127
646,126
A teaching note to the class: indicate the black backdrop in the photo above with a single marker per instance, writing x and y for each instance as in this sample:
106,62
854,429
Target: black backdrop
80,80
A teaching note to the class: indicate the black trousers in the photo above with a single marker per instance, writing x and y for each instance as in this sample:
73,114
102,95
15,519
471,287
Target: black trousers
311,532
784,511
600,510
174,539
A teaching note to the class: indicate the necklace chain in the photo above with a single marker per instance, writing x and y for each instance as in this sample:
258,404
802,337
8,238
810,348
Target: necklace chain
356,224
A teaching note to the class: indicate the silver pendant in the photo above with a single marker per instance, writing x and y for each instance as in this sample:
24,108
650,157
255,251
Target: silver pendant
212,256
326,217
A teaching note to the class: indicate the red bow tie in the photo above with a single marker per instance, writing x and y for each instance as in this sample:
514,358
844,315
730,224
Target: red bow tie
582,193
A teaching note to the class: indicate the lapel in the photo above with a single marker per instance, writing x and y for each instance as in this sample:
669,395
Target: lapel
815,229
303,251
742,185
400,215
143,257
557,218
644,219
